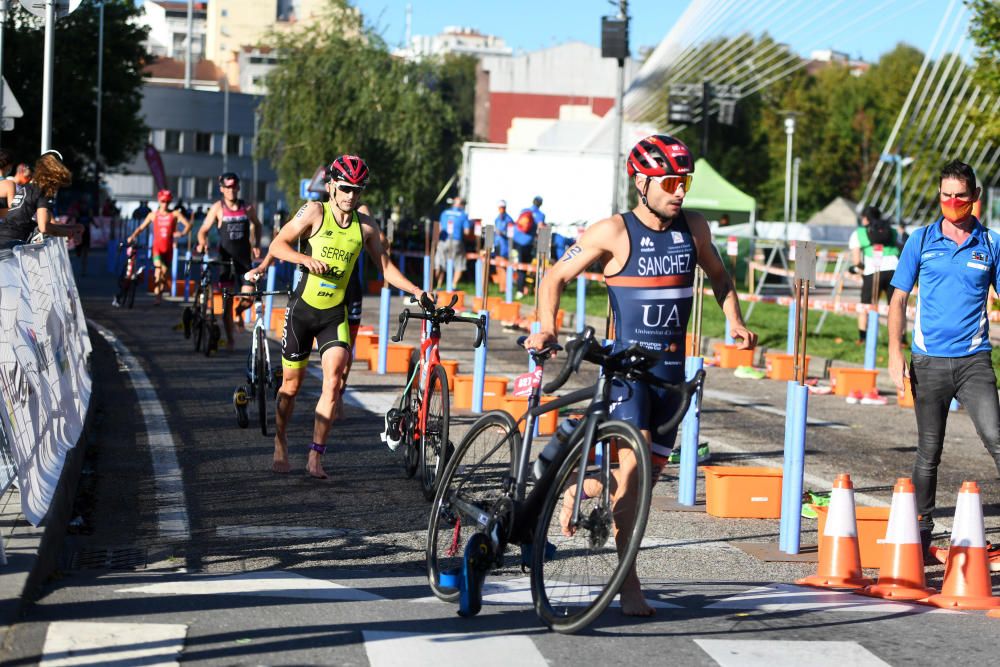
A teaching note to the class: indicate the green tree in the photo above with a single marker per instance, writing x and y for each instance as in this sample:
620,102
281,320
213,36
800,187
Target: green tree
74,98
331,94
985,31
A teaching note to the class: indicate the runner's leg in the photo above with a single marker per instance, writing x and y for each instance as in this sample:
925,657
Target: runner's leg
334,362
291,380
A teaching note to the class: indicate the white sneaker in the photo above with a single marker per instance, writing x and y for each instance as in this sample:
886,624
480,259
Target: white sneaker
114,303
855,397
874,398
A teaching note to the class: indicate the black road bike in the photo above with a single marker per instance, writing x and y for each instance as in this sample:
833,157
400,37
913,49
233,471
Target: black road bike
199,318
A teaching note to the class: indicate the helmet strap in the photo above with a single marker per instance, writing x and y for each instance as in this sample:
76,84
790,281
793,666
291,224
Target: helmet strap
643,193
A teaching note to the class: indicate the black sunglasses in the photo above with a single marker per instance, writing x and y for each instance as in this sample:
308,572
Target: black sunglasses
350,188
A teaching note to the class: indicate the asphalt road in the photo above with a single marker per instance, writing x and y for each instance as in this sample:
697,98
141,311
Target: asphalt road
213,559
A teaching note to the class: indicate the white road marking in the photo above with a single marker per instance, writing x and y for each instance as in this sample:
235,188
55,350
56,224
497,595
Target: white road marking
750,401
780,653
283,532
517,591
787,597
264,584
389,649
87,643
171,505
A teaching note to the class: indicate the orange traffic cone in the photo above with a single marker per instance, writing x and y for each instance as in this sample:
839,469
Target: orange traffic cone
966,572
901,576
839,555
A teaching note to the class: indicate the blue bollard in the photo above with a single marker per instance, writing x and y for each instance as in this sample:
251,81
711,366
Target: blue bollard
794,524
173,271
449,280
535,328
786,471
581,303
871,340
509,296
187,277
383,329
427,273
729,335
479,279
269,300
687,476
479,369
790,341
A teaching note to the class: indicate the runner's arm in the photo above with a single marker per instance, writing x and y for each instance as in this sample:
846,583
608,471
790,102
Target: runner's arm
138,230
256,228
206,225
722,282
897,327
593,246
48,225
378,254
303,223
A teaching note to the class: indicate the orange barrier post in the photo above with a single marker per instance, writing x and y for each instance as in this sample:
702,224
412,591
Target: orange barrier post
839,552
967,572
901,576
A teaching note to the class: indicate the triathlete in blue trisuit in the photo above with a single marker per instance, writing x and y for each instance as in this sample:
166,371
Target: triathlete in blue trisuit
649,256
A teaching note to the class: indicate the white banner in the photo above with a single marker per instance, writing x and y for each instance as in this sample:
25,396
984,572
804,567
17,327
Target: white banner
43,356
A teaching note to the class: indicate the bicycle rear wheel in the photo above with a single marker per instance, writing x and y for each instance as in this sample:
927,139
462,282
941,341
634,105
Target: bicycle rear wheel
411,413
434,443
260,380
479,473
574,578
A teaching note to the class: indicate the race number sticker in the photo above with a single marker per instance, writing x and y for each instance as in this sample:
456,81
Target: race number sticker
732,246
524,384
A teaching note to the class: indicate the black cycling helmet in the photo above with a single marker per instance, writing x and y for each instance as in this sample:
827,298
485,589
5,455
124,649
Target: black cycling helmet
660,155
348,169
229,178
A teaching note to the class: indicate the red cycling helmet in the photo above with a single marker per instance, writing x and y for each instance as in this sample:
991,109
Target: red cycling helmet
348,169
164,196
660,155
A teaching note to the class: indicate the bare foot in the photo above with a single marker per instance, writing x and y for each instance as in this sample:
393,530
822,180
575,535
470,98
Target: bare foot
314,467
591,489
280,463
633,601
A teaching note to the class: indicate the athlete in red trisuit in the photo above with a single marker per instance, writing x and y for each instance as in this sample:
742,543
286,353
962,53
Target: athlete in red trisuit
165,231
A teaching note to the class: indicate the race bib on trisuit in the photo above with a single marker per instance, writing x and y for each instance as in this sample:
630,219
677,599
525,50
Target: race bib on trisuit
524,384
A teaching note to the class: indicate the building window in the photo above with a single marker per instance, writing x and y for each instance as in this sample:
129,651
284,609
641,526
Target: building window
224,13
172,141
232,144
174,185
203,188
261,191
202,142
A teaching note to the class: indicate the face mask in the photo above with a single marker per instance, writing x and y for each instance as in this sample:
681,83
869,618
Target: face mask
955,209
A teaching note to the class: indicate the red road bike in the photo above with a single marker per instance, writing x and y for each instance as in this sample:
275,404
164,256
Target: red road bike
421,420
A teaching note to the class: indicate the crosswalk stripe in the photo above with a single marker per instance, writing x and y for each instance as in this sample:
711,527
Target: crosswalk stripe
389,649
89,643
786,597
267,583
517,591
777,653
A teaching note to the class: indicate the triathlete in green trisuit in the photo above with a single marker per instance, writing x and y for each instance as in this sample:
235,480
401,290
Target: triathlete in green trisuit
334,233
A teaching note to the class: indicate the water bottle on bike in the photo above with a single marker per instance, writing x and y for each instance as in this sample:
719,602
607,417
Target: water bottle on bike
556,442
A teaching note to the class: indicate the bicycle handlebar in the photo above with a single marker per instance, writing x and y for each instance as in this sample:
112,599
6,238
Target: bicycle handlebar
226,294
445,315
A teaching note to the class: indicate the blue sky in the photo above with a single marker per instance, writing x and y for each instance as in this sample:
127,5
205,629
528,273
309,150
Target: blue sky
533,24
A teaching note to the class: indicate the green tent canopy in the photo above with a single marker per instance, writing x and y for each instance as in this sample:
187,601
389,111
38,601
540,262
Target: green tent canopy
713,195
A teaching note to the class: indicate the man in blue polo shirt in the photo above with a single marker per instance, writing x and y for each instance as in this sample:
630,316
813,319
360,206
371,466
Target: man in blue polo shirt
448,239
523,240
504,230
956,260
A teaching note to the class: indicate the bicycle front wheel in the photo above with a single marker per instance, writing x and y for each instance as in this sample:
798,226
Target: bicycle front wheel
411,413
260,380
476,477
197,328
577,569
434,443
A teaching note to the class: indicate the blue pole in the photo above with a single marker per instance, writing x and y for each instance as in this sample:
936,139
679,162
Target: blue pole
269,300
729,335
450,275
871,340
479,280
187,278
173,271
794,527
790,340
509,296
786,472
479,369
383,329
581,303
687,476
427,273
535,328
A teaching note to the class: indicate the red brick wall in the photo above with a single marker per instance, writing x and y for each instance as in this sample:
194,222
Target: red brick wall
504,107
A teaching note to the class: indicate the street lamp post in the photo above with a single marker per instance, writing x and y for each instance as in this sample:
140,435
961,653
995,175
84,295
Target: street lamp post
899,161
50,50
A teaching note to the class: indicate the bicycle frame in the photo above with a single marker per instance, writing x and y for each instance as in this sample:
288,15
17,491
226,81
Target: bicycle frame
429,359
258,311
